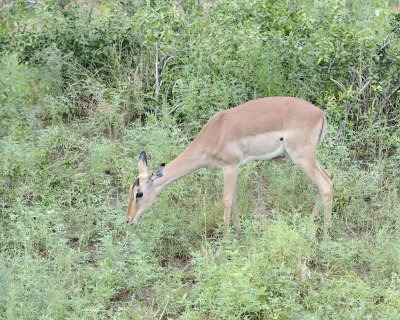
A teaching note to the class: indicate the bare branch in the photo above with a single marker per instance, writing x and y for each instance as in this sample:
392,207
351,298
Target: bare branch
156,74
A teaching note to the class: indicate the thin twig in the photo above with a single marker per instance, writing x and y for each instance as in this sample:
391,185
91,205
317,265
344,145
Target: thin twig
165,308
165,60
189,265
156,71
395,89
365,86
385,44
175,107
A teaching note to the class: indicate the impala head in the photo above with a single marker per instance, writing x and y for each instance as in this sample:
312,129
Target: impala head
143,192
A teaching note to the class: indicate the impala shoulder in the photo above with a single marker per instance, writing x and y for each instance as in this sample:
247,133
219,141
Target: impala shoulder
216,120
210,132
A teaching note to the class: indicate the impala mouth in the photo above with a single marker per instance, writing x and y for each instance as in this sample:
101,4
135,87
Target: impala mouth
138,216
133,221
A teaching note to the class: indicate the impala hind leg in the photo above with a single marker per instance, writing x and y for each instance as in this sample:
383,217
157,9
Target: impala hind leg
320,178
316,209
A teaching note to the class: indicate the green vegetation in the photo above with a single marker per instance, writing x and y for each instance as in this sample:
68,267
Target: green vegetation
86,85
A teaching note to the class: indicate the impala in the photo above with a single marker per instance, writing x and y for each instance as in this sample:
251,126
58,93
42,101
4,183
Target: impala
256,130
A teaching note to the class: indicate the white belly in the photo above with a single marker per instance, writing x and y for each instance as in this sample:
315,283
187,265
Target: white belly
264,156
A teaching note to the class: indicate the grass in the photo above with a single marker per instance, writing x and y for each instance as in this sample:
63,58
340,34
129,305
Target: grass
66,252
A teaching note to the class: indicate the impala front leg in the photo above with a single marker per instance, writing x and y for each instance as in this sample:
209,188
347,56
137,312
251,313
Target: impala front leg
230,178
235,215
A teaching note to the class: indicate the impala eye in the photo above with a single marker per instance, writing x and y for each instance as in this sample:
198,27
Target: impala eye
139,194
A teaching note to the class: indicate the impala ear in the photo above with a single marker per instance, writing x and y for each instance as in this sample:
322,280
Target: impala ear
142,163
158,173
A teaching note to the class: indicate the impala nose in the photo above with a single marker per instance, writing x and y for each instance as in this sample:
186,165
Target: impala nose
133,221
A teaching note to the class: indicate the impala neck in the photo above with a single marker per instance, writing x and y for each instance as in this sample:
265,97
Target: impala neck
191,159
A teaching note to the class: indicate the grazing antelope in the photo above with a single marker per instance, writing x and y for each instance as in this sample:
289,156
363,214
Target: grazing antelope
256,130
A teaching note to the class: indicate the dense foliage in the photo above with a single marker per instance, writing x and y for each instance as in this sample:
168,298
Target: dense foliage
86,85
